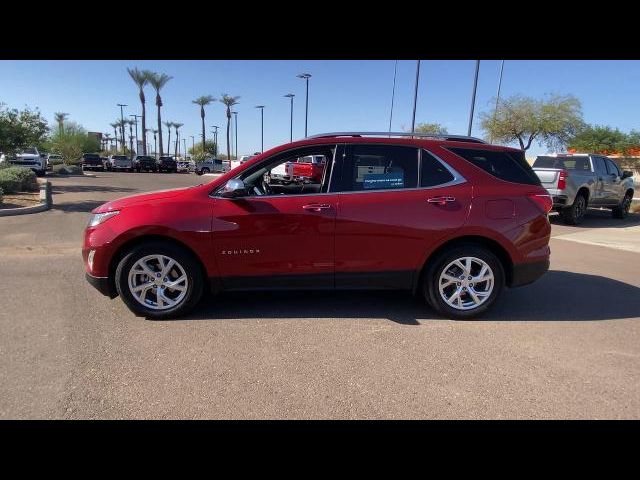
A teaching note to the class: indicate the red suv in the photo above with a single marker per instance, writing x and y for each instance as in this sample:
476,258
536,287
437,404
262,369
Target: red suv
453,219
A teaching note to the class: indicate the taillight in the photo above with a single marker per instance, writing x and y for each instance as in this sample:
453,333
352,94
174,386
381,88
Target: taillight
562,180
544,201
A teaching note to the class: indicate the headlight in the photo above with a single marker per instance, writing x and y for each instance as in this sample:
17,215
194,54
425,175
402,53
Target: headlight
98,218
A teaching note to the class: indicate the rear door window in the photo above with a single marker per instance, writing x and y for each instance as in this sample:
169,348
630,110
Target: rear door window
510,166
432,171
380,167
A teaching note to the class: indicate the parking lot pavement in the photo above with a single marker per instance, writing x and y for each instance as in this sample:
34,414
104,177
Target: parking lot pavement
565,347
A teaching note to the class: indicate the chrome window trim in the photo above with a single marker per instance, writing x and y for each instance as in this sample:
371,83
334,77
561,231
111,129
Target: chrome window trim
458,179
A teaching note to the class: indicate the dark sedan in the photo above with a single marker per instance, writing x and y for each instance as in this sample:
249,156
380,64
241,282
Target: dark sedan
146,163
167,164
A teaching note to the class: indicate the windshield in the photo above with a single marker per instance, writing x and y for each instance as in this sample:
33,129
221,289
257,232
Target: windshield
29,151
120,157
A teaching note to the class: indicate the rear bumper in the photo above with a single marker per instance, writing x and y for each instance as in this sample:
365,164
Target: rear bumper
101,284
526,273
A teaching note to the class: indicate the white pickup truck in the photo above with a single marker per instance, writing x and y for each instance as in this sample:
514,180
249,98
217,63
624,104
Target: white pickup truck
31,158
578,181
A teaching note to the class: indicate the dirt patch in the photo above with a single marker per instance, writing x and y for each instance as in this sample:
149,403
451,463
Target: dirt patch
22,199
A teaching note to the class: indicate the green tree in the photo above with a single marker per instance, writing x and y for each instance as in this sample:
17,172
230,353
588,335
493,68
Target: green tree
524,119
141,78
115,132
228,101
158,81
72,142
202,101
210,149
599,139
434,128
21,129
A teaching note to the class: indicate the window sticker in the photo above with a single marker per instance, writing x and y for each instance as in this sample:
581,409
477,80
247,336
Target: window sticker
384,180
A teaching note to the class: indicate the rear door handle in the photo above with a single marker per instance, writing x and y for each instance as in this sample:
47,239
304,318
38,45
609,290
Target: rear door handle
441,200
317,207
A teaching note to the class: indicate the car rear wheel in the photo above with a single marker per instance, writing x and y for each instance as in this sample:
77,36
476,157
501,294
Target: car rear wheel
574,214
159,280
463,282
622,210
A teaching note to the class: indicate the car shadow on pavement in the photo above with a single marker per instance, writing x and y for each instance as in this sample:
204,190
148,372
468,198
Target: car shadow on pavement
81,206
599,219
557,296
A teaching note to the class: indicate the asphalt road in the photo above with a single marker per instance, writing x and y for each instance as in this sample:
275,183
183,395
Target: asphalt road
567,346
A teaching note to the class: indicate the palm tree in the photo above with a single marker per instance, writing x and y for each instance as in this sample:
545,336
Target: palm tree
60,118
115,132
228,102
141,79
131,123
155,145
158,81
107,138
202,101
177,126
121,124
168,125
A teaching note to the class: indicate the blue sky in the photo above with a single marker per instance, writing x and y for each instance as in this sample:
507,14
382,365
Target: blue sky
344,95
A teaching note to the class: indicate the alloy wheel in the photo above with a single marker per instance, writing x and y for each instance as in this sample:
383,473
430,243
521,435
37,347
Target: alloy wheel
466,283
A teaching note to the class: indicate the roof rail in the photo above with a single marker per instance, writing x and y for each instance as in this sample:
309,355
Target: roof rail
459,138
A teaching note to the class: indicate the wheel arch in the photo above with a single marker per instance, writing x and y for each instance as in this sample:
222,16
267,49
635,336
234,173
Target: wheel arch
138,240
490,244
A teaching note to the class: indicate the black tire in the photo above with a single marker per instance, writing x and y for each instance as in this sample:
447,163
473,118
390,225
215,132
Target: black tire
574,214
189,263
205,170
621,211
431,278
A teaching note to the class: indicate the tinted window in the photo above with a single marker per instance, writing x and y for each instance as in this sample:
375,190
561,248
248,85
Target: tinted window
432,172
381,167
598,164
613,168
508,166
566,163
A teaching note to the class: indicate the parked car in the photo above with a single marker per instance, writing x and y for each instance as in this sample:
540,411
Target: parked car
186,166
31,158
167,164
305,169
92,161
213,165
452,219
119,162
146,163
578,181
53,159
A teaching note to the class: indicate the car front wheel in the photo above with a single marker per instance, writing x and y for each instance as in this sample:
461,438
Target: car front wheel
622,210
159,280
463,282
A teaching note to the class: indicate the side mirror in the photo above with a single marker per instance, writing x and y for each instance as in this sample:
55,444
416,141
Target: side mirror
627,174
233,189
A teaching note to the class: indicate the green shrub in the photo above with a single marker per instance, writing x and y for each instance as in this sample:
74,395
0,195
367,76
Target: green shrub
18,179
1,192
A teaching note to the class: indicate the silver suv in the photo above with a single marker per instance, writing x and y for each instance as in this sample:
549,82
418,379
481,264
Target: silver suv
213,165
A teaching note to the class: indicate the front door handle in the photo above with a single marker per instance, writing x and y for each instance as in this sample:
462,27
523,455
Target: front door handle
441,200
317,207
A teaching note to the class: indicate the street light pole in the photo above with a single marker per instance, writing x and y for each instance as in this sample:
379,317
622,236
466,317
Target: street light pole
193,144
121,105
415,98
291,95
473,98
215,137
306,76
261,107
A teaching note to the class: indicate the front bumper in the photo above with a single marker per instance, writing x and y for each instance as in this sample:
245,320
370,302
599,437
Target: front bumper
526,273
102,284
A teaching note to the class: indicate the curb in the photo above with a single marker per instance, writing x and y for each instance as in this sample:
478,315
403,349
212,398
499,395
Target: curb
45,199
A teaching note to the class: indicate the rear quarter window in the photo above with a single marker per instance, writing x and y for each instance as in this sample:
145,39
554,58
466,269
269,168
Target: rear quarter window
506,165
